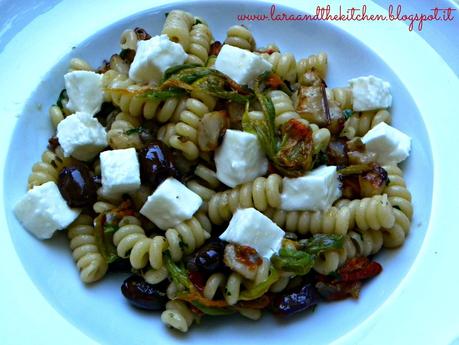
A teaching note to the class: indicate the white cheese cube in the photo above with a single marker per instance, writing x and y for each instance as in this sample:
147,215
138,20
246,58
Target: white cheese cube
241,65
153,57
43,210
240,158
315,191
249,227
81,136
120,172
388,143
170,204
370,93
84,89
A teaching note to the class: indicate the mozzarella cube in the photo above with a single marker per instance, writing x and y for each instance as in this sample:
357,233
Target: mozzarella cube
170,204
120,172
84,89
81,136
388,143
43,210
315,191
249,227
241,65
153,57
370,93
240,158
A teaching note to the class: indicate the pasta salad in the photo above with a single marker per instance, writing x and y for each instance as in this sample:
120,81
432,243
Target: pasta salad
222,177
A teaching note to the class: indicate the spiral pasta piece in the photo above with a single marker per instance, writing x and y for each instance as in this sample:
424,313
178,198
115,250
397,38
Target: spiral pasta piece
283,107
356,243
121,134
368,213
48,168
262,193
185,138
204,185
313,63
56,115
342,96
177,315
360,123
200,40
135,105
86,254
177,26
332,221
130,241
283,64
400,198
78,64
231,286
241,37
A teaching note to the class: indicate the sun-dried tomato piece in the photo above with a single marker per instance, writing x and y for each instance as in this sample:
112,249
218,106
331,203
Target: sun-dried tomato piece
359,269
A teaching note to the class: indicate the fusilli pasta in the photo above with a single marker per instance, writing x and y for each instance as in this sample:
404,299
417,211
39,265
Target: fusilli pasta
83,244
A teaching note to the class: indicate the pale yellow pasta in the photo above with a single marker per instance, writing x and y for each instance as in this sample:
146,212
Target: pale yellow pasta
200,40
400,198
128,39
185,138
56,115
122,133
48,168
77,64
177,315
130,241
360,123
86,254
241,37
178,26
283,64
313,63
342,96
361,243
262,193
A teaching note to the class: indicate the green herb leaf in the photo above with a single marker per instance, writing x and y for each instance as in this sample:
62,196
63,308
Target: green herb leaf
260,289
197,21
104,241
175,69
177,273
296,261
319,243
347,113
162,95
110,228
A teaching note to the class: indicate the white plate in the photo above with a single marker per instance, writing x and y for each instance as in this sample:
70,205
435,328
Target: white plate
415,277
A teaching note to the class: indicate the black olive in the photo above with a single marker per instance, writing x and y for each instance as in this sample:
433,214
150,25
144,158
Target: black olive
144,295
77,186
294,301
209,258
156,164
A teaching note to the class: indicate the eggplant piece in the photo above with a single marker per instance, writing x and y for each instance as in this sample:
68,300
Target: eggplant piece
295,301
